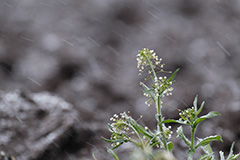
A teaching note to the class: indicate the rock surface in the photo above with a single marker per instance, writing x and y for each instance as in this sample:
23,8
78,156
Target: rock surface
36,126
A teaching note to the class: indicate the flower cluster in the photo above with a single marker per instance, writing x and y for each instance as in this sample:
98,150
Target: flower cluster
120,129
187,115
161,86
168,131
168,134
125,129
148,58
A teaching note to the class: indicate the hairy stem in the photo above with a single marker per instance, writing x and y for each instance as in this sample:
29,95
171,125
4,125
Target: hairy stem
192,138
162,135
192,150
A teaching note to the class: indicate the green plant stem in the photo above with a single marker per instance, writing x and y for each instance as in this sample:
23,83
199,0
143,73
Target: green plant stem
193,130
160,126
158,107
151,66
192,138
139,137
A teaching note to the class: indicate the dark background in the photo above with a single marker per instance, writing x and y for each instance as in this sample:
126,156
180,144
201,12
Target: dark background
85,52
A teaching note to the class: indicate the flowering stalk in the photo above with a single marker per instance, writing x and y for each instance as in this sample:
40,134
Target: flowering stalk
160,87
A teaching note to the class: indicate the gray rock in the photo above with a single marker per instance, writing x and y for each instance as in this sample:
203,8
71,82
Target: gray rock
39,126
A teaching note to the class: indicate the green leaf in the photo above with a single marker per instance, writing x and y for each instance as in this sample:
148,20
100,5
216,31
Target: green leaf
134,126
207,140
120,141
221,155
144,132
167,83
173,75
202,118
231,151
209,155
113,154
107,140
234,157
207,148
117,145
174,121
148,90
181,135
200,109
140,129
94,157
195,103
231,156
154,143
170,146
110,128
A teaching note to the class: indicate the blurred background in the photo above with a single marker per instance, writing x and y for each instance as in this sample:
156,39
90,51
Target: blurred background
66,66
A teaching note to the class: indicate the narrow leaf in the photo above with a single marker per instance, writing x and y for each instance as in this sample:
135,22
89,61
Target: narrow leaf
113,154
144,132
202,118
221,155
231,156
117,141
207,140
195,103
207,149
200,109
107,140
117,145
208,152
110,128
150,91
138,129
170,146
154,144
207,157
141,129
181,135
134,125
174,121
173,75
231,151
234,157
94,157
